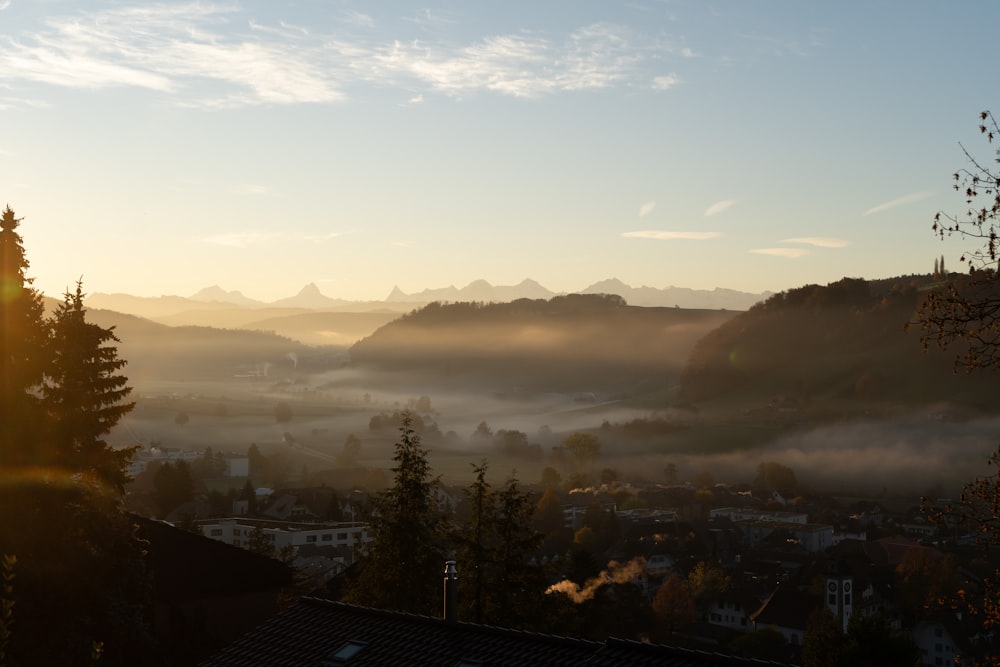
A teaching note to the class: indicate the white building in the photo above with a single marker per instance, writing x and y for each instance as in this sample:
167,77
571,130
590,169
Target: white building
748,514
236,531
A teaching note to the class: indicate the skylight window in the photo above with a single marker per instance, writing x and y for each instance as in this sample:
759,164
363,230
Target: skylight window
343,654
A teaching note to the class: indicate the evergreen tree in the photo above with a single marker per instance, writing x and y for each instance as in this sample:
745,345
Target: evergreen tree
23,333
519,584
475,546
498,582
403,568
85,393
81,576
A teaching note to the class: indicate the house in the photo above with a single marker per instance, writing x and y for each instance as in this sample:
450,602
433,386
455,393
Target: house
787,610
952,638
205,593
237,530
323,633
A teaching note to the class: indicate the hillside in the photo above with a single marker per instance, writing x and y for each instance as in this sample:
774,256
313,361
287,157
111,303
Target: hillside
838,349
158,352
576,343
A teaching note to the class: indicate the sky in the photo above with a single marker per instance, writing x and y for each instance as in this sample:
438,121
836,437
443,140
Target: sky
160,148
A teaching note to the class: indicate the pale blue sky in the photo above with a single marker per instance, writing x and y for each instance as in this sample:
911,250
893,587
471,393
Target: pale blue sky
161,148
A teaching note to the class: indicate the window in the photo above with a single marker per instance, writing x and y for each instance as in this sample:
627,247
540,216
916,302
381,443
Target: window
831,599
236,532
847,598
341,537
310,538
216,532
327,537
343,655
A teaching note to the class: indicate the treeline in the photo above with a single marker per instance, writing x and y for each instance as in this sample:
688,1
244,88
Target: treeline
816,345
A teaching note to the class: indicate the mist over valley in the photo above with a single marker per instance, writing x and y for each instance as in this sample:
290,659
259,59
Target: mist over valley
821,379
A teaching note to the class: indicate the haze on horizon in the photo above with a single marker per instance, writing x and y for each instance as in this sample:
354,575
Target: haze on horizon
162,148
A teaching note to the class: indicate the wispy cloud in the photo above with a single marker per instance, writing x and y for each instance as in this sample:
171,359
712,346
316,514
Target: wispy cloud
251,189
791,253
899,201
666,82
661,235
171,49
646,209
719,207
250,239
4,5
203,54
818,241
359,19
239,239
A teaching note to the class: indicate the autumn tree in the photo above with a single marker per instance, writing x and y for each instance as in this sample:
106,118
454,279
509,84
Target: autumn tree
402,568
707,582
823,642
673,606
966,309
583,447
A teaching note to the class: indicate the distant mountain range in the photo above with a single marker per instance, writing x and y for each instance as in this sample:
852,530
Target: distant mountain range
311,299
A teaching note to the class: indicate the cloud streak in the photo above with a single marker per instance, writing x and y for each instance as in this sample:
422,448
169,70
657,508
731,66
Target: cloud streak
790,253
661,235
899,201
646,209
217,56
818,241
252,239
718,207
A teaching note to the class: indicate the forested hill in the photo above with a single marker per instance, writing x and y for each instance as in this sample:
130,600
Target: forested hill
841,347
583,343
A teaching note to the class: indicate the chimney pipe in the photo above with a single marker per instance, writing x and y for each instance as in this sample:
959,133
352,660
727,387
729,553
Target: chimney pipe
450,591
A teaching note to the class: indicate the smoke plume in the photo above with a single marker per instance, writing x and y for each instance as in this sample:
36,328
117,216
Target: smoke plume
616,573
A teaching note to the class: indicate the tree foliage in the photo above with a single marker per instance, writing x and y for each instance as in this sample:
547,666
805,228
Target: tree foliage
499,582
583,447
673,606
402,569
85,393
966,309
82,580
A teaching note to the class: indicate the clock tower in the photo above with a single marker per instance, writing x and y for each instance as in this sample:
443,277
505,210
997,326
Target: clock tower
840,593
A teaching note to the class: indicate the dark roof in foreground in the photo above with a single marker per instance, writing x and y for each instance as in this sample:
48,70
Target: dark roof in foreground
323,633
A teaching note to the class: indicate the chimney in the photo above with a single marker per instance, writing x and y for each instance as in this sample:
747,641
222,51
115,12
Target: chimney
450,591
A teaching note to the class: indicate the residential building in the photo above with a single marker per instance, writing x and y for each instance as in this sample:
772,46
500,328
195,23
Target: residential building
236,531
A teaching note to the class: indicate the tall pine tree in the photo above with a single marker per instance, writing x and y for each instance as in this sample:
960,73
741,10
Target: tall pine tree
85,394
82,583
403,568
23,333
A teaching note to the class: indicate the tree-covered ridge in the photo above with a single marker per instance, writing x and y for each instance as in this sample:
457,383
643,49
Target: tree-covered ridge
574,342
842,343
